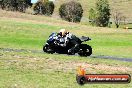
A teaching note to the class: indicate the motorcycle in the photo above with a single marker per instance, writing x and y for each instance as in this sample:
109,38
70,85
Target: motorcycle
61,45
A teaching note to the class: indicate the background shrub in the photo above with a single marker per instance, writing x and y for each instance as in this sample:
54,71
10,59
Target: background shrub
15,5
49,8
71,11
100,15
92,16
39,8
45,8
103,13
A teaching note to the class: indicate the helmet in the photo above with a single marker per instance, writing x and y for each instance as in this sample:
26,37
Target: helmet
63,32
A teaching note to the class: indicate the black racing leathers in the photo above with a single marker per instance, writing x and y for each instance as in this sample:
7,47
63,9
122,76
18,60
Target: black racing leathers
75,41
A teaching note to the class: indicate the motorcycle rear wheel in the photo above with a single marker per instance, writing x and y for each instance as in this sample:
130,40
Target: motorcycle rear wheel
85,50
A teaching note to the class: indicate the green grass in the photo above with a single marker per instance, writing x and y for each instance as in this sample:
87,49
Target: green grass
24,70
24,34
27,35
41,70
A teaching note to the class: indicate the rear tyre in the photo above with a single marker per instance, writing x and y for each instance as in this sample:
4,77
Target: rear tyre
85,50
48,49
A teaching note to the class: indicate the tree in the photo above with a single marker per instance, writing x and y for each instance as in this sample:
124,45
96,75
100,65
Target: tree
118,18
15,5
103,13
39,8
22,5
92,16
29,2
1,3
9,5
49,8
71,11
44,7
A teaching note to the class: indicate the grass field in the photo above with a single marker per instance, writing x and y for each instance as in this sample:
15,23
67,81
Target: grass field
41,70
27,70
33,35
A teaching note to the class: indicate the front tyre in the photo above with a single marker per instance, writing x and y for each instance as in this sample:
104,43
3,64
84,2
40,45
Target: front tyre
48,49
85,50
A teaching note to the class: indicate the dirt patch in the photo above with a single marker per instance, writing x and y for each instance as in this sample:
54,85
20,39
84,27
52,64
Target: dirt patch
95,67
66,66
56,64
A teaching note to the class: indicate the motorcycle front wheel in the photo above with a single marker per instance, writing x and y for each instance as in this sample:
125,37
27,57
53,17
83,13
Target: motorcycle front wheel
48,49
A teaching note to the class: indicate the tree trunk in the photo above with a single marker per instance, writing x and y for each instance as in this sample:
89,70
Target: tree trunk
117,26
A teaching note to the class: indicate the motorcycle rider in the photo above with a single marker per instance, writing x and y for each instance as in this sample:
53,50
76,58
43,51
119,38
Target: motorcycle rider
69,37
61,36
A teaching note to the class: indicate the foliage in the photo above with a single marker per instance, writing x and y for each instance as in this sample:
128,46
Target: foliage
49,8
118,18
15,5
44,7
9,5
39,8
101,15
71,11
92,16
